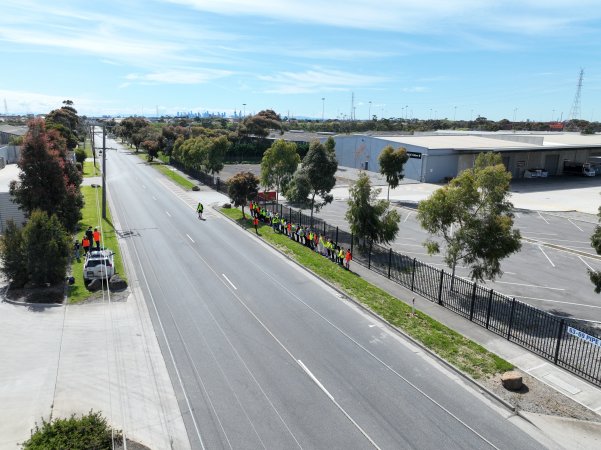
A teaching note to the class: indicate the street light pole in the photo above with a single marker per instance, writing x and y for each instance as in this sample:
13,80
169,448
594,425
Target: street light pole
323,107
244,106
369,111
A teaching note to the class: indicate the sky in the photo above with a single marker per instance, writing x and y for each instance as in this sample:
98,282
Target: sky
426,59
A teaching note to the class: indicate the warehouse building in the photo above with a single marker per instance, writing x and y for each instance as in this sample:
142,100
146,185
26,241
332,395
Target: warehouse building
437,157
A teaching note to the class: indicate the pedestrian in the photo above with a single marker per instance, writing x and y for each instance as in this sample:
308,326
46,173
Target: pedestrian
85,243
340,256
76,248
199,209
347,259
90,235
251,206
96,235
256,224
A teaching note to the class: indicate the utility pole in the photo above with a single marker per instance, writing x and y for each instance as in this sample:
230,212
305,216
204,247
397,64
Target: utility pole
103,172
323,107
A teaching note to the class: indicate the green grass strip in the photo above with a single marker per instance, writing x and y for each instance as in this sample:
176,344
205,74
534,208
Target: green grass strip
458,350
89,170
91,216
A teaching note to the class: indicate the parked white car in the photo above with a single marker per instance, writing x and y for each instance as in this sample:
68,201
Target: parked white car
99,264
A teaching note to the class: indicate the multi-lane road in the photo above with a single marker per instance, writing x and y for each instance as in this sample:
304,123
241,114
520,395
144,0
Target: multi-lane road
263,355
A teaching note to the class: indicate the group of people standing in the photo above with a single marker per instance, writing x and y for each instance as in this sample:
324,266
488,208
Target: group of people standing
89,242
303,235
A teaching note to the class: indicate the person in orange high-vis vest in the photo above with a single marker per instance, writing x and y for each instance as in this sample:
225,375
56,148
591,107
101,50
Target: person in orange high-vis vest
97,238
85,243
347,259
256,224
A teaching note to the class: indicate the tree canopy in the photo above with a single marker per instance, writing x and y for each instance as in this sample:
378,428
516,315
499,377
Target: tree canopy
371,220
319,168
279,163
260,124
595,275
392,164
47,181
473,216
242,188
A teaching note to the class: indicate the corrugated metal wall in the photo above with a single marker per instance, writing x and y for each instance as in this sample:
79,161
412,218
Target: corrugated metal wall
9,210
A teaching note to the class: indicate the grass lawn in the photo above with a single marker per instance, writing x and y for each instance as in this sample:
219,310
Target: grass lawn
463,353
89,170
91,216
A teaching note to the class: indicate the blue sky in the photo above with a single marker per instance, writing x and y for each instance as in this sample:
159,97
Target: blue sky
425,59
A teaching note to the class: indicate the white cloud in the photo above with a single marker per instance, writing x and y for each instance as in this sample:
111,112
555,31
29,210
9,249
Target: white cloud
317,80
416,89
182,76
21,102
424,17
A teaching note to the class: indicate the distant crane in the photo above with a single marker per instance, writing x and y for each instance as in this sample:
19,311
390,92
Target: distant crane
575,111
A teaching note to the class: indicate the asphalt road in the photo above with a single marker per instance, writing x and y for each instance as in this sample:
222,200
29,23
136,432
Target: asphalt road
263,355
546,273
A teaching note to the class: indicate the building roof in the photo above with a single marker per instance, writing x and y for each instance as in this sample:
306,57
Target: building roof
464,142
11,129
299,136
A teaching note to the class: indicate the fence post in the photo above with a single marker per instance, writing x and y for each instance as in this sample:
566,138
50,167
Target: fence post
511,319
559,334
473,302
352,240
369,258
336,236
489,307
440,287
389,260
413,274
290,214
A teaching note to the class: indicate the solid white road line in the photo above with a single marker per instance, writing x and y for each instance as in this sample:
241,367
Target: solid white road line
228,280
325,391
190,238
570,220
167,212
549,259
407,217
555,301
585,263
541,216
531,285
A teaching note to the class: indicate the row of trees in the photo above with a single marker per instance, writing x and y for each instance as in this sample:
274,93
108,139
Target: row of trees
48,191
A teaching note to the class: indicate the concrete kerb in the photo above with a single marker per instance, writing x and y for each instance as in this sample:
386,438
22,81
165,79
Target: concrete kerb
456,370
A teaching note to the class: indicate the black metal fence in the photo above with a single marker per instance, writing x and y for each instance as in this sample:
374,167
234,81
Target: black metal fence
570,344
567,343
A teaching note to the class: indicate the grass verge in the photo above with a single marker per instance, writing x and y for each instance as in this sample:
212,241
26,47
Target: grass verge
91,217
89,170
169,172
461,352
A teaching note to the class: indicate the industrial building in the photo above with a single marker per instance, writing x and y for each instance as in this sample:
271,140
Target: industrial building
437,157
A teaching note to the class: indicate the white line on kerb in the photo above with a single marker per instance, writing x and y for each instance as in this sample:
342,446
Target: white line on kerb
228,280
587,264
167,212
541,216
190,238
549,259
531,285
570,220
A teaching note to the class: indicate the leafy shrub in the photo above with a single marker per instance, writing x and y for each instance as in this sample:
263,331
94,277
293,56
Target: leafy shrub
80,155
75,433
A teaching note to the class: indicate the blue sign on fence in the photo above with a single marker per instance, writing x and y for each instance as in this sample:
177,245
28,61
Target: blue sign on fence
585,337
